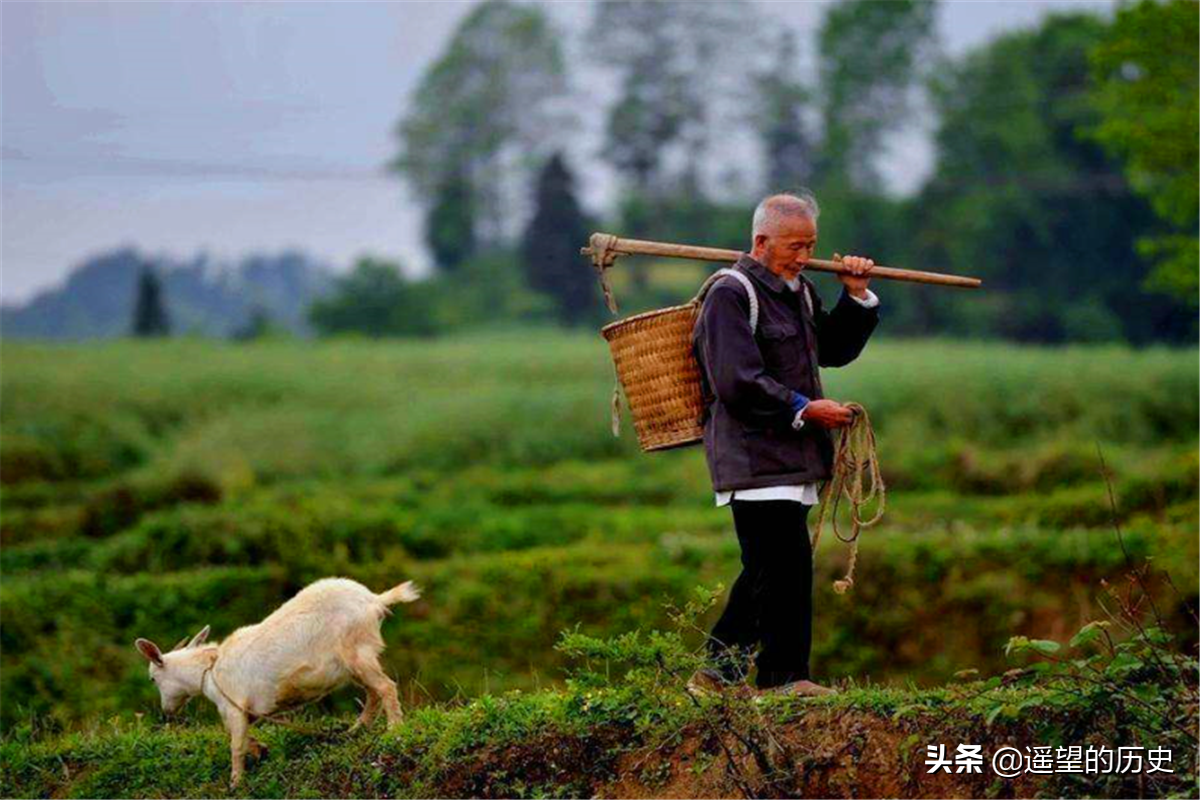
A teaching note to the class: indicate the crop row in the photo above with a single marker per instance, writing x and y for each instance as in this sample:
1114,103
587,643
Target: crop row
260,414
432,515
925,605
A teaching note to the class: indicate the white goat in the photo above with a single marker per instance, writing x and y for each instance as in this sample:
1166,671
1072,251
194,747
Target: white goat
325,636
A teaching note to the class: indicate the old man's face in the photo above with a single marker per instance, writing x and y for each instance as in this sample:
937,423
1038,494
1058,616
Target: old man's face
788,247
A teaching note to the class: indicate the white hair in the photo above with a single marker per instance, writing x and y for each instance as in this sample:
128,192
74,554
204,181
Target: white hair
777,206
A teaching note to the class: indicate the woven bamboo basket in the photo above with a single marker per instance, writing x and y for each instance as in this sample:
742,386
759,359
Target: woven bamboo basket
658,371
659,375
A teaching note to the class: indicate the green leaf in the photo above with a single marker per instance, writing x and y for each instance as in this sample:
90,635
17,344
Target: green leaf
997,711
1123,664
1033,702
1088,633
1157,636
1147,692
1015,645
1045,646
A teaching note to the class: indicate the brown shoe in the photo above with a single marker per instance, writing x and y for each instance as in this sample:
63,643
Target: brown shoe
802,689
706,682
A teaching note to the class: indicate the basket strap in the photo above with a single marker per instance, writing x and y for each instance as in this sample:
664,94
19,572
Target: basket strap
745,281
616,409
699,298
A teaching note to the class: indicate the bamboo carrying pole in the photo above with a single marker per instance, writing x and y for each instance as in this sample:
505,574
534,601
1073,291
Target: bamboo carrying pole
605,247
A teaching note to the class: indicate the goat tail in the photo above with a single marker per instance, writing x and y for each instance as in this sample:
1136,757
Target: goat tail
406,592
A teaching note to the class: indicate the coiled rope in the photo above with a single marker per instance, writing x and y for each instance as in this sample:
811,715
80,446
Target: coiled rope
857,479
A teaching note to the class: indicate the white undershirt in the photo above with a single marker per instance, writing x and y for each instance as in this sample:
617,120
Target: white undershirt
805,493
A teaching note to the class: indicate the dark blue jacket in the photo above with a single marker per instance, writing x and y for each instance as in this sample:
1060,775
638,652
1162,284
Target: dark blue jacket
748,378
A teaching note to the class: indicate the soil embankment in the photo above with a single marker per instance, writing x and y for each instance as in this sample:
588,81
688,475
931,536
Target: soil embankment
866,742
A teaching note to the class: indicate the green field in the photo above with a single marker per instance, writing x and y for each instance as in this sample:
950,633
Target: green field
152,488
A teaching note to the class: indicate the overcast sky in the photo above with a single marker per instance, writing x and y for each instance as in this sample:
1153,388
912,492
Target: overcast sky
237,127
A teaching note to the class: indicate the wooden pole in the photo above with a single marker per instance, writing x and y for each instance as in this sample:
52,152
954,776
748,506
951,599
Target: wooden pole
604,248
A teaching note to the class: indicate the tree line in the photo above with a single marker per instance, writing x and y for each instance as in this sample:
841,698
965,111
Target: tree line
1065,163
126,291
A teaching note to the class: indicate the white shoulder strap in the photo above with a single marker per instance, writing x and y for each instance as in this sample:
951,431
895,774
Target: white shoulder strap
749,290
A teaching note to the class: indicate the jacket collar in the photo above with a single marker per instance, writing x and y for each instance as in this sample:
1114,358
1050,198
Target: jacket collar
749,264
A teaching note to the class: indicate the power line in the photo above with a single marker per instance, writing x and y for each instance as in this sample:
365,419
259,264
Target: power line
1032,183
127,167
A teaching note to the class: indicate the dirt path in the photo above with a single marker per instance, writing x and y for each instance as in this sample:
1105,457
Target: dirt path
824,753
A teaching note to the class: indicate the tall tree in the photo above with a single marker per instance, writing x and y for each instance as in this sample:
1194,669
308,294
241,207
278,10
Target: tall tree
1030,203
450,223
1146,69
782,128
150,312
484,114
870,58
678,76
676,73
550,248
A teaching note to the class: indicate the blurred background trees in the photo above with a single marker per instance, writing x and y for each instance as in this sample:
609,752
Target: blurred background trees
202,295
780,118
1063,171
550,245
1031,203
150,312
1145,86
484,117
375,299
870,56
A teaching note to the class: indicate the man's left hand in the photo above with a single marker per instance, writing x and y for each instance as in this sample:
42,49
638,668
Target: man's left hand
858,277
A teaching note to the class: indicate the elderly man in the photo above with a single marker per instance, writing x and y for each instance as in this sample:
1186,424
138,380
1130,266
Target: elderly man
766,434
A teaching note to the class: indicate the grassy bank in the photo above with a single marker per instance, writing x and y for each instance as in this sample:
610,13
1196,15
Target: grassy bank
151,488
643,736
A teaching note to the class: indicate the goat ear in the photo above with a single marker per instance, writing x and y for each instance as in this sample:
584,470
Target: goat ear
201,637
150,650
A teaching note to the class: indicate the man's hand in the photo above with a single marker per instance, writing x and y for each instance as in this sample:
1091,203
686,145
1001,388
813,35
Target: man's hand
860,275
828,413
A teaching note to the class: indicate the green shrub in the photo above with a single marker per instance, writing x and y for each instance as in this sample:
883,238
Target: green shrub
151,488
67,645
926,604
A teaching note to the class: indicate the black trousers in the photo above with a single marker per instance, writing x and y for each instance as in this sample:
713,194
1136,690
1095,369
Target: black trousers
771,603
